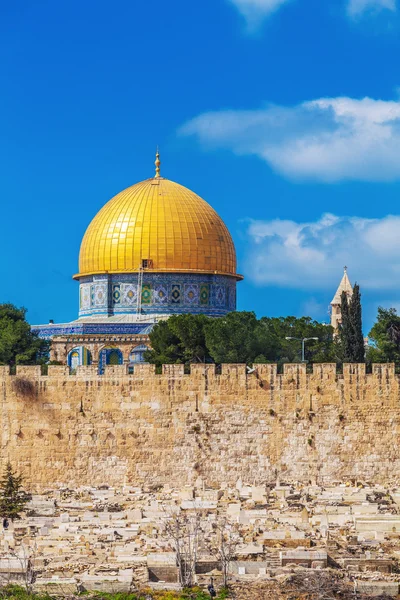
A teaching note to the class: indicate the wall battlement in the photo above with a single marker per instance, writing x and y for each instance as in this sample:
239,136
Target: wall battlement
174,428
266,372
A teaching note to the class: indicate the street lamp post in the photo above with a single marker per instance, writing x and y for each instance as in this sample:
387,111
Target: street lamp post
303,344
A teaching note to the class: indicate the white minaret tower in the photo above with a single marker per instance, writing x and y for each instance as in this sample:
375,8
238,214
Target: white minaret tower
336,312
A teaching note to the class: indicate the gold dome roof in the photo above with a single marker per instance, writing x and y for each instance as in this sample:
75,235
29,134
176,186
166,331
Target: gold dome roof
160,221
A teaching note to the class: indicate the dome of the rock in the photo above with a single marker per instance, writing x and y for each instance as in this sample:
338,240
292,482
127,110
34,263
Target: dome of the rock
162,222
157,249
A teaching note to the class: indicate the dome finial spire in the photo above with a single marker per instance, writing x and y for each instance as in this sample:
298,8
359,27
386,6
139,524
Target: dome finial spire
157,163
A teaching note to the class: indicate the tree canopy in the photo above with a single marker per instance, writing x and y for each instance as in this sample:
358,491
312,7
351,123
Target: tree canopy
239,337
180,339
385,337
18,344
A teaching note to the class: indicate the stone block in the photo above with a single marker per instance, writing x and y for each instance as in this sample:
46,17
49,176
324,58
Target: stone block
173,370
294,370
233,370
30,372
4,371
324,371
233,510
377,588
87,372
186,493
353,371
258,494
201,370
144,371
115,371
247,549
135,515
58,371
383,372
266,372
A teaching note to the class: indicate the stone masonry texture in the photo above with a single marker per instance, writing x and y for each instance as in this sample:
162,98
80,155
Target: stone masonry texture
148,429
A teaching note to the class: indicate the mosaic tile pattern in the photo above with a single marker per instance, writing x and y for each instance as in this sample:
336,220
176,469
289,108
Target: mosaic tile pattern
128,294
146,293
191,293
175,293
100,294
116,293
85,296
75,328
204,294
220,295
161,293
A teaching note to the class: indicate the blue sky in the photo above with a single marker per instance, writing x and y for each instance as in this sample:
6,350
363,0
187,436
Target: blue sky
283,114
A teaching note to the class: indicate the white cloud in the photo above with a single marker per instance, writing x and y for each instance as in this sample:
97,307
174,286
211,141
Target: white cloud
254,11
310,256
355,8
328,139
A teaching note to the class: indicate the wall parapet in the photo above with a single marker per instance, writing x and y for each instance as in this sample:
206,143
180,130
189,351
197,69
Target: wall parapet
293,373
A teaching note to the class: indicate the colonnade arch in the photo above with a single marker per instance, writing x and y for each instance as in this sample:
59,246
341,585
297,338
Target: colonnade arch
79,356
109,355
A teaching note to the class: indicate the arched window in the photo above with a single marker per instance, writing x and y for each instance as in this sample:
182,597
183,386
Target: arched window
79,356
114,357
137,354
109,356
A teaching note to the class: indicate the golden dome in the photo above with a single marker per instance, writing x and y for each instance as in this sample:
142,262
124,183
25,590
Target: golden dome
160,221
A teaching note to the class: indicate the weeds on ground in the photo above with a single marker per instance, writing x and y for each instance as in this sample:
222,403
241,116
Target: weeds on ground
14,592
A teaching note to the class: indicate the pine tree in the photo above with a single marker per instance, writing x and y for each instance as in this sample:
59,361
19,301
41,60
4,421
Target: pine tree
13,498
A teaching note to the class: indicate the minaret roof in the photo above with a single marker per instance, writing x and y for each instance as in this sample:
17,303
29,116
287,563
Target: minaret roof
344,286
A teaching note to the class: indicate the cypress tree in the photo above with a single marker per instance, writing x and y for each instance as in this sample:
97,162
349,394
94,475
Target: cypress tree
345,328
352,339
13,498
355,313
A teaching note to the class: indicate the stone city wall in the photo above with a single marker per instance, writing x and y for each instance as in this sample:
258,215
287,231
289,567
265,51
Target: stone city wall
148,429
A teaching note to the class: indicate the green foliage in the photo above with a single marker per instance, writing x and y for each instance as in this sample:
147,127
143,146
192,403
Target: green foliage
345,329
109,596
179,340
316,351
194,593
356,319
351,337
14,592
239,337
13,498
223,594
385,337
165,345
236,338
18,344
